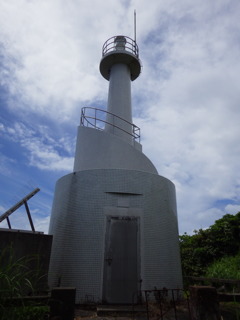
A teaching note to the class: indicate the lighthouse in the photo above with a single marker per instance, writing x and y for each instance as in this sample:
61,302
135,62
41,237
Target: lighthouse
114,218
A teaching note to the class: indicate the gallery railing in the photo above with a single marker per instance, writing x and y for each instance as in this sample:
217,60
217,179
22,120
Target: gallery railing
118,43
96,118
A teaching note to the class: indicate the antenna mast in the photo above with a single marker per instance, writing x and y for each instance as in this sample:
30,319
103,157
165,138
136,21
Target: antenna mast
135,23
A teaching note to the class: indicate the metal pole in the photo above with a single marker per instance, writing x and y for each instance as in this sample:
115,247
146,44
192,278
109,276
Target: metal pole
29,215
174,304
146,300
188,304
135,28
160,303
8,222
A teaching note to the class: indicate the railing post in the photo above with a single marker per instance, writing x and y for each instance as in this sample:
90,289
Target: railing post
82,117
174,304
29,215
62,303
9,224
95,123
146,299
160,304
204,303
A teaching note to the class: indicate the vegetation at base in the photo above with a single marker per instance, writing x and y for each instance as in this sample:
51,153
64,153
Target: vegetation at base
19,279
25,313
213,252
225,268
230,310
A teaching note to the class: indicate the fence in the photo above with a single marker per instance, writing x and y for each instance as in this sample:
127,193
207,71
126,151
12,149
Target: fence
160,304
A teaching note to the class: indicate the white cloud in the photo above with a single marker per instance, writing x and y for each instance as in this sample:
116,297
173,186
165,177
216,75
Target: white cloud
42,224
186,101
19,220
232,209
4,165
48,159
39,207
43,150
50,51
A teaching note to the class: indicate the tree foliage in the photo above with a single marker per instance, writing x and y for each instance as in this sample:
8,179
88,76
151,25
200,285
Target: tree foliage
204,247
225,268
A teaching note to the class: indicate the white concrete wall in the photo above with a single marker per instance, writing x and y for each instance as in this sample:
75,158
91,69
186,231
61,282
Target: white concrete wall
113,177
97,149
119,101
81,204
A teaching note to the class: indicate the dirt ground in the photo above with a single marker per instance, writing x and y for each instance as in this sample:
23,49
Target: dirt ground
229,311
87,315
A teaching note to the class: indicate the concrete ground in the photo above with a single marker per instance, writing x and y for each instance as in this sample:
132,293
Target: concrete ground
125,313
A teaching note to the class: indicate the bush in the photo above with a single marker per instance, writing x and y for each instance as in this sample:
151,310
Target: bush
225,268
25,313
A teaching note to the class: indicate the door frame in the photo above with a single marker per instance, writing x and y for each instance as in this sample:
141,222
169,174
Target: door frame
108,219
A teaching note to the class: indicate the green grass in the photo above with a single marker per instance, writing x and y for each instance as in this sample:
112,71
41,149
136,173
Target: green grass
18,279
225,268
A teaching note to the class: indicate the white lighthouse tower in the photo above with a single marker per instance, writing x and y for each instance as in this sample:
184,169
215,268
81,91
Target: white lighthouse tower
114,219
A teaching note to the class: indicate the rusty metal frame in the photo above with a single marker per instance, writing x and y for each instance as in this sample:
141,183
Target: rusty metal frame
159,296
18,205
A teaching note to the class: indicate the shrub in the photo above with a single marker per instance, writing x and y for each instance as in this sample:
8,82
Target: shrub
225,268
18,279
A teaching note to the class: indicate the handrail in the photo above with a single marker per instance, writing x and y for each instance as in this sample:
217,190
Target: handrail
99,122
130,45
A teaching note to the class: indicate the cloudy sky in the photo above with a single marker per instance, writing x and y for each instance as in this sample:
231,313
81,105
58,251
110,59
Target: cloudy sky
186,101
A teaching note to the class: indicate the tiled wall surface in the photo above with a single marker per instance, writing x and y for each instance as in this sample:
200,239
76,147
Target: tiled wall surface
82,202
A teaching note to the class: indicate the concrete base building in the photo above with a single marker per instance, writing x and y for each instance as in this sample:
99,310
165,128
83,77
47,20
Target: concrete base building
114,219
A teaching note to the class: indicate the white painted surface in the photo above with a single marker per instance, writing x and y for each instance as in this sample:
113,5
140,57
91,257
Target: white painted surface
119,101
97,149
82,202
113,177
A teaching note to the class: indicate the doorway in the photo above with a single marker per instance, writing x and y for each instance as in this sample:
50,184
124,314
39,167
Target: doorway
121,263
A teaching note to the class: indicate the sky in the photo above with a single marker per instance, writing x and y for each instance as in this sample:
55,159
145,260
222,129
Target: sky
186,100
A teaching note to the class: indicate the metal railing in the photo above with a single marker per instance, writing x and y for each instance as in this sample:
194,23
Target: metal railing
163,303
96,118
226,284
120,43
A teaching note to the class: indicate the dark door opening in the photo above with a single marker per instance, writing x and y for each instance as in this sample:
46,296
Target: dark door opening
121,270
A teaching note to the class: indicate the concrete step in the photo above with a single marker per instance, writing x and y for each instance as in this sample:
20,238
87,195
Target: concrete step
120,310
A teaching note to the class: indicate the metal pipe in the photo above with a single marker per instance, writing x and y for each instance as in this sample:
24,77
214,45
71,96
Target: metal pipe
146,299
8,222
160,304
174,304
135,31
29,216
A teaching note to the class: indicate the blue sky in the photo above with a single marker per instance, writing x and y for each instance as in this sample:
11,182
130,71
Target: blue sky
186,101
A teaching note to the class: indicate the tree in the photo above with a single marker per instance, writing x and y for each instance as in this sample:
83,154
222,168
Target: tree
204,247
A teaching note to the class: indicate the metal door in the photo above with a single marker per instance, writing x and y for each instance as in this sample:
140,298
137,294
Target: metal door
121,271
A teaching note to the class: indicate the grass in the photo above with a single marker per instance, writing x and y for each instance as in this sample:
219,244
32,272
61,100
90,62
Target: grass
19,279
